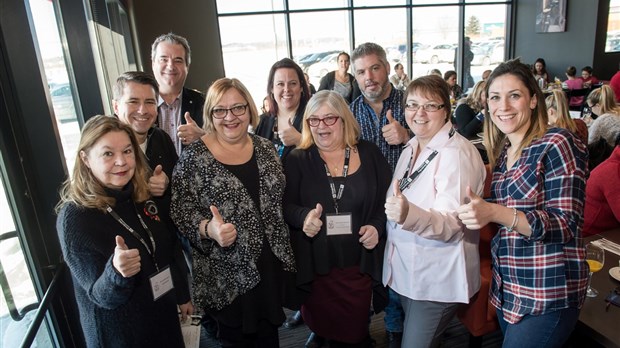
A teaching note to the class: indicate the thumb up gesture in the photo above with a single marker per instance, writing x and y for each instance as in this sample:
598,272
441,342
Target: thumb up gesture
222,232
397,206
126,261
158,182
313,222
393,132
476,213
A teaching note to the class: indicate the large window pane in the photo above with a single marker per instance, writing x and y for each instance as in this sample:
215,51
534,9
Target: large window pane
318,37
61,90
435,38
237,6
392,37
250,46
486,27
315,4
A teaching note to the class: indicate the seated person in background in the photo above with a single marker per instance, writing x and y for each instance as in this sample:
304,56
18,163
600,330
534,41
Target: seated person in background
455,90
400,79
470,111
602,210
614,83
435,72
587,77
557,109
574,83
539,70
486,74
607,125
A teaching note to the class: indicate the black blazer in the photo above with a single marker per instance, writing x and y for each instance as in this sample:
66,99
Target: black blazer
328,81
192,102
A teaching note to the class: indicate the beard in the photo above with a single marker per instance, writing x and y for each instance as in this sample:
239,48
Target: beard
375,95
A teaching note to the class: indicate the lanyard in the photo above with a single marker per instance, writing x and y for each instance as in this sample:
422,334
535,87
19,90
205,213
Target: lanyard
406,181
135,234
336,196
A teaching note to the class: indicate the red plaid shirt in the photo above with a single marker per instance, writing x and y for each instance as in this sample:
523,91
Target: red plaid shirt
546,271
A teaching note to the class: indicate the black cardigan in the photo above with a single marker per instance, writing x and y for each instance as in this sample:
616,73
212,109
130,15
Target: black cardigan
306,185
328,81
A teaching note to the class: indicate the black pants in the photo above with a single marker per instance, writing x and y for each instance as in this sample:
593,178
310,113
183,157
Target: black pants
233,337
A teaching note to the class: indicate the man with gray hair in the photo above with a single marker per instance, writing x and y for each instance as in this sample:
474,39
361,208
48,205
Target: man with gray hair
380,114
379,110
180,108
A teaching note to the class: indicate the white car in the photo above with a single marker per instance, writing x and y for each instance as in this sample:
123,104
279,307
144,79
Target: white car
436,54
322,67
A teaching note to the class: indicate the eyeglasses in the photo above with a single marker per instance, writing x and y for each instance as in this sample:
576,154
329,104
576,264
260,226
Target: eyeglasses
237,110
329,121
427,107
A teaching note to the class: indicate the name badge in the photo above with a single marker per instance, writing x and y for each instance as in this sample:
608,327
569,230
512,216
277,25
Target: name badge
161,283
338,224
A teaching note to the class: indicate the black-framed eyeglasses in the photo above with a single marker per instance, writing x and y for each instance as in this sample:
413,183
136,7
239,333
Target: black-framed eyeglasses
431,107
329,121
236,110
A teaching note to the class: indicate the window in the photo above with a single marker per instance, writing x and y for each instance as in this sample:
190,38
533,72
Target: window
265,31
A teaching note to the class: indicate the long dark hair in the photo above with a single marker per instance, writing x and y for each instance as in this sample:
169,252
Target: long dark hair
305,91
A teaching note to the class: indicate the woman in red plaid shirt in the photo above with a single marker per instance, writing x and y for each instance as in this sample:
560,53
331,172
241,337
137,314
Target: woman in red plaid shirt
538,189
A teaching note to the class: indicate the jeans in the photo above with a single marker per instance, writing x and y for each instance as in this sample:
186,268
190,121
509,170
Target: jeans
394,314
546,330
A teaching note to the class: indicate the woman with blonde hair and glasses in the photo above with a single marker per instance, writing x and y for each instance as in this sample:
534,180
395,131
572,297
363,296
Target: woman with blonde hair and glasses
602,101
559,116
333,203
128,269
227,200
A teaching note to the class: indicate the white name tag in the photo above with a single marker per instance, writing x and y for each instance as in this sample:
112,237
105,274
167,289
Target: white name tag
161,283
338,224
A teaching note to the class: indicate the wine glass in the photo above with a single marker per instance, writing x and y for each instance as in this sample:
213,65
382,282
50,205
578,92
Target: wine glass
595,257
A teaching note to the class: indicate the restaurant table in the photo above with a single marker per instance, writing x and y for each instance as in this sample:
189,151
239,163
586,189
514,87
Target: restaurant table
594,320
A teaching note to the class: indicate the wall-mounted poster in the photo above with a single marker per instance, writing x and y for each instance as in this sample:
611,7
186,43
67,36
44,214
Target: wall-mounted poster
551,16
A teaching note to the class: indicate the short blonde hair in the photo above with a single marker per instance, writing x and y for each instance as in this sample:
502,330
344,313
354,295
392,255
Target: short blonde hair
215,94
473,99
84,189
337,104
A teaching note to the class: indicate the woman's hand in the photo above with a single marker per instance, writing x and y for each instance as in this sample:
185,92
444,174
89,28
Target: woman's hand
186,310
158,182
397,206
369,236
477,213
313,222
223,233
290,136
126,261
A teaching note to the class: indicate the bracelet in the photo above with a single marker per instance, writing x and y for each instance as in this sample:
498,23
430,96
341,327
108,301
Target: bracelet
515,220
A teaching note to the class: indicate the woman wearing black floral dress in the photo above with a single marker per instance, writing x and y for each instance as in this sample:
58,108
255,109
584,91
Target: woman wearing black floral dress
226,198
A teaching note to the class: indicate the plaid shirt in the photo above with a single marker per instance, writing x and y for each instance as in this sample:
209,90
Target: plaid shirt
371,125
546,271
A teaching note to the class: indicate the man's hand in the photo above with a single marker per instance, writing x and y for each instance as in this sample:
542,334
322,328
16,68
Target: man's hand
393,132
158,182
189,132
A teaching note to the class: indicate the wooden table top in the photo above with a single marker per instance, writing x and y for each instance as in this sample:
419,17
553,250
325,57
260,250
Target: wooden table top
596,322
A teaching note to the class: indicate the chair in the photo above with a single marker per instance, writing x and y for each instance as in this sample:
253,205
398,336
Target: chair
583,93
479,316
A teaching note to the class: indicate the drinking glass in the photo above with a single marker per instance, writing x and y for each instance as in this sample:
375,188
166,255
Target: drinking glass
595,257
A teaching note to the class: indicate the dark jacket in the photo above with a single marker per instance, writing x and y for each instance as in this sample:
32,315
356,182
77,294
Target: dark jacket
307,185
265,129
328,81
193,102
160,150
